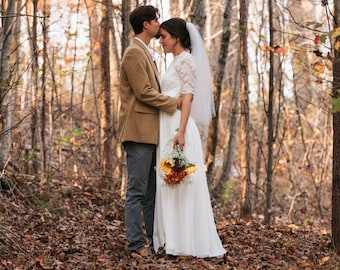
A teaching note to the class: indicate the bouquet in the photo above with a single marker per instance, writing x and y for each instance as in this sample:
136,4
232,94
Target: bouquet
175,167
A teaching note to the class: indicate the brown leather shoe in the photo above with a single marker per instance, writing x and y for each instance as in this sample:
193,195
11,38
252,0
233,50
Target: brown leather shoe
140,253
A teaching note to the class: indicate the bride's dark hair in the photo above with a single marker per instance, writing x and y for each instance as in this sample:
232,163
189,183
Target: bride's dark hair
177,28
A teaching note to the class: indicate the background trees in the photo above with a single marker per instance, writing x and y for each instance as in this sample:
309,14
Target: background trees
336,132
59,101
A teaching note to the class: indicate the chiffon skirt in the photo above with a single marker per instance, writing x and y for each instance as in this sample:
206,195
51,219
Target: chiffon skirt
184,221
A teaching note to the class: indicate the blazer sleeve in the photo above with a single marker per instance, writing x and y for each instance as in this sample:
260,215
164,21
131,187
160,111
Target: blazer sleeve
142,78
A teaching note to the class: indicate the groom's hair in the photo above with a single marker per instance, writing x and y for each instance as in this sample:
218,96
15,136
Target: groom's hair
140,15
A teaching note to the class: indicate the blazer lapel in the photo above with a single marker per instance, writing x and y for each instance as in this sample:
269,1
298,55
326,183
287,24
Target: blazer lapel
149,57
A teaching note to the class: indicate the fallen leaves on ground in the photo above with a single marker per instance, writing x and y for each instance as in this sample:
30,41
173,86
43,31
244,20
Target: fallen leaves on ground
83,228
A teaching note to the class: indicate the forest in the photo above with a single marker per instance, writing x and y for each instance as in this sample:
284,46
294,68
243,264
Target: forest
272,151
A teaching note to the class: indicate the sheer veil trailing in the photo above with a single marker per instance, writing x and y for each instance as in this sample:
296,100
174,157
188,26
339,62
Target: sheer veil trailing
203,108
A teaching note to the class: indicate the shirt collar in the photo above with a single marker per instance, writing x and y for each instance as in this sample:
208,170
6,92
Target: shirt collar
147,47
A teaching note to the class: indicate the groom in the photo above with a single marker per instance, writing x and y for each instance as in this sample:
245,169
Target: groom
138,127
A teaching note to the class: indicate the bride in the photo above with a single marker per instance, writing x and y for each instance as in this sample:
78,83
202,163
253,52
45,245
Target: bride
184,222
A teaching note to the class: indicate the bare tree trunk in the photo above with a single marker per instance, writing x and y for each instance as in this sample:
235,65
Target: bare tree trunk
51,65
35,114
73,87
197,15
18,60
43,88
260,130
73,70
218,80
106,121
126,7
6,102
270,117
258,159
115,68
244,88
221,181
336,138
208,24
93,36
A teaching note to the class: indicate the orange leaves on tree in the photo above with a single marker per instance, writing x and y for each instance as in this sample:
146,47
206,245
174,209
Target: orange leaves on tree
337,45
276,49
336,36
319,67
279,49
336,33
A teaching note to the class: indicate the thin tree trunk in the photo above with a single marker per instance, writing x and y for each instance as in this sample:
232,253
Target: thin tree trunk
197,15
73,73
93,26
74,47
336,140
270,117
115,67
260,136
208,24
244,88
51,109
43,88
35,114
106,121
218,80
229,154
18,62
7,104
126,7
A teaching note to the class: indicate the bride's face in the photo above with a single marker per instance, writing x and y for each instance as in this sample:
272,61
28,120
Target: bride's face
167,41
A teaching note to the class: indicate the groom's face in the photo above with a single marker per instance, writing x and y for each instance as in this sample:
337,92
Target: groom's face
152,27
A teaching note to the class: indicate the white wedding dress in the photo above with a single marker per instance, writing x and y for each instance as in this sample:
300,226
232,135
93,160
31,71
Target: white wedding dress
184,221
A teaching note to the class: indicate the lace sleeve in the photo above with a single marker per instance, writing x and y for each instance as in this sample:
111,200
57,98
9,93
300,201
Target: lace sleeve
186,68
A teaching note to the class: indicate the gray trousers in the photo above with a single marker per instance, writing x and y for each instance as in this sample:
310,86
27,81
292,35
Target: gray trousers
140,193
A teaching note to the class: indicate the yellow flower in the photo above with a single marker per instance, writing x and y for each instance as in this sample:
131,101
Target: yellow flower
191,169
166,165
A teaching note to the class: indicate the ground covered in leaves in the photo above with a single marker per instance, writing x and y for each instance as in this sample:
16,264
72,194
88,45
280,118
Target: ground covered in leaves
81,227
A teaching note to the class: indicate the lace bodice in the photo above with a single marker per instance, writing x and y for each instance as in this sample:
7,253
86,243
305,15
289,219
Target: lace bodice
180,77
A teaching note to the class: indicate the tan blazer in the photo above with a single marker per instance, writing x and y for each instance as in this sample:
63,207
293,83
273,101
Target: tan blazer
140,97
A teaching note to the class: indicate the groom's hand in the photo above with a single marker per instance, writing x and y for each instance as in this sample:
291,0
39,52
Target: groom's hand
179,102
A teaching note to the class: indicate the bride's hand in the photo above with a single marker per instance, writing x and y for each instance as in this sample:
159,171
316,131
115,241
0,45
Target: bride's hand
180,140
